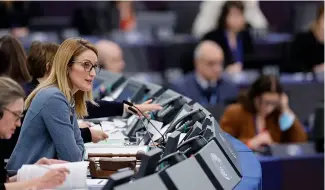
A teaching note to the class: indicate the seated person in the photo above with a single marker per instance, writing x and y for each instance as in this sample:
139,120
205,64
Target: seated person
307,53
232,35
206,85
50,128
110,56
207,17
12,105
39,64
263,116
16,57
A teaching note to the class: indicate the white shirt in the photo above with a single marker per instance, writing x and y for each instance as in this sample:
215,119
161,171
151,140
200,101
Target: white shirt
204,83
207,18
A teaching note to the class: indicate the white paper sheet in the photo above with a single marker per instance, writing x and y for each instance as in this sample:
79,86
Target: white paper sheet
104,149
75,180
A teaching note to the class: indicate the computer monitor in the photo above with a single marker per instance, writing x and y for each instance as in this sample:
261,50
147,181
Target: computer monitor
172,142
194,131
186,175
153,91
132,92
149,162
213,161
118,179
112,80
153,181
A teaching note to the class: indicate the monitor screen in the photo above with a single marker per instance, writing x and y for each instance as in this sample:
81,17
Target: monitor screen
185,110
129,91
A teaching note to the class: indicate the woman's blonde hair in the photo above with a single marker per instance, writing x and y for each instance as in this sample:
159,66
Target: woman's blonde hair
63,58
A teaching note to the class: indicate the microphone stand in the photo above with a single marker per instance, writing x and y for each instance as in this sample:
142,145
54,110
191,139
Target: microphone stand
133,106
135,112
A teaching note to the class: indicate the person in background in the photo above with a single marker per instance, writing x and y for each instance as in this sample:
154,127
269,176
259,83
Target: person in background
206,85
307,52
263,116
16,16
13,65
110,56
11,109
232,35
16,57
47,132
207,18
127,15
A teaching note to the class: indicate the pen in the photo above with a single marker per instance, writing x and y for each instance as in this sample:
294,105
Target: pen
102,130
100,181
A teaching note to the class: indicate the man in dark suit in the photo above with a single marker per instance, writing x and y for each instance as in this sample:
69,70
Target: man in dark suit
206,85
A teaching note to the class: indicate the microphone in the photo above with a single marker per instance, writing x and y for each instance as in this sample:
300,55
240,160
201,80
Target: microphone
135,112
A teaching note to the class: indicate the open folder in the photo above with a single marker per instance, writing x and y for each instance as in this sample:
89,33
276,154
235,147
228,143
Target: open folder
75,180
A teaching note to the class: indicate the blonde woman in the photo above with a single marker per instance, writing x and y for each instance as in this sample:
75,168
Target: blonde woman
50,128
11,108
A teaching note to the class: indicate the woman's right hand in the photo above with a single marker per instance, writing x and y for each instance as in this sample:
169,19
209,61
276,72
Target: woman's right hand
264,138
52,179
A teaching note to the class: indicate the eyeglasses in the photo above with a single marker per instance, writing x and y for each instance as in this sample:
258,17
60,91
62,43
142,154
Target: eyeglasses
270,102
89,66
17,115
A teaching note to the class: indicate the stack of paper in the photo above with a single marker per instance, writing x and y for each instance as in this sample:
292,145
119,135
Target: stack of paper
75,180
106,149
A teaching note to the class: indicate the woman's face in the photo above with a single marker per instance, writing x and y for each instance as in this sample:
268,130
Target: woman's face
267,103
235,20
82,72
12,114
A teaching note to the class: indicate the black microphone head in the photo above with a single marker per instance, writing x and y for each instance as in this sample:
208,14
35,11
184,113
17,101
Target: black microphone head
139,155
127,103
133,110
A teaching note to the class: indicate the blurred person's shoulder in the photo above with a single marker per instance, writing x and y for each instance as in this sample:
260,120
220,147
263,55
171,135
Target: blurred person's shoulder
235,109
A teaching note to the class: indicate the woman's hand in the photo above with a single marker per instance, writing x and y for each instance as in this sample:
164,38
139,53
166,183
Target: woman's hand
97,135
46,161
284,102
52,179
264,138
146,107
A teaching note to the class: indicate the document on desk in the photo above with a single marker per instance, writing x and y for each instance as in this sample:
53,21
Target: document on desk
106,149
75,180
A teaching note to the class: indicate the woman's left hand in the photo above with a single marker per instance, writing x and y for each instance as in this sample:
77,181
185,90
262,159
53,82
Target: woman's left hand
147,107
46,161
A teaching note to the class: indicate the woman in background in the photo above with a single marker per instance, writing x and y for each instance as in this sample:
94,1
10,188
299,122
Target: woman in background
11,109
263,116
13,65
232,35
307,52
16,59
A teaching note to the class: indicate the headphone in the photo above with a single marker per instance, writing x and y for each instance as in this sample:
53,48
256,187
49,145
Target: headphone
1,113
